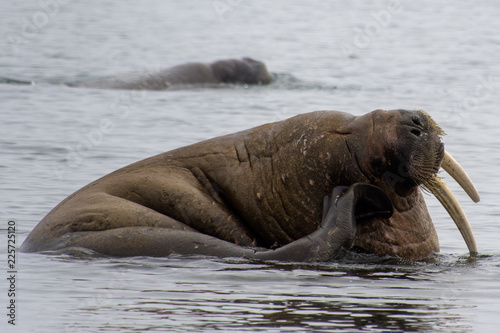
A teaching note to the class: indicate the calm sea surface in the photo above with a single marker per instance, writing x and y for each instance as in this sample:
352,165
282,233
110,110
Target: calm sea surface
343,55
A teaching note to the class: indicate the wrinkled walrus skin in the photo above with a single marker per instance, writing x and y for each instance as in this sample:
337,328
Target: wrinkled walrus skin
234,71
263,193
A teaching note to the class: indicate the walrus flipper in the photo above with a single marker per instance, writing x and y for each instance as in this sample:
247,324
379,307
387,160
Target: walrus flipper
345,207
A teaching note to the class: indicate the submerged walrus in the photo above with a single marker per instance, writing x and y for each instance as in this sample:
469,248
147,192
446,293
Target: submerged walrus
237,71
307,188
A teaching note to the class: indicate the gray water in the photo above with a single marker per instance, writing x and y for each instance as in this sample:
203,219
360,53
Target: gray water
350,56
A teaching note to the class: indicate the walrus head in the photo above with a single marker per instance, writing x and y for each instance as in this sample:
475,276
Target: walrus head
245,70
399,152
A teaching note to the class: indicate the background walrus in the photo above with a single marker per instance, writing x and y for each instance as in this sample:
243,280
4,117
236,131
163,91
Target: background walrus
247,193
238,71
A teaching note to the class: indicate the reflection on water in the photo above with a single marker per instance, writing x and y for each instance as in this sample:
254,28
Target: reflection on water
361,292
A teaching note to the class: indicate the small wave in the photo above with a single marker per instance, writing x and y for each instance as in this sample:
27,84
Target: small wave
290,82
280,81
6,80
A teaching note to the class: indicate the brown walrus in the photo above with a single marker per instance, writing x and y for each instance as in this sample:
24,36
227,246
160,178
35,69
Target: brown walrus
238,71
267,193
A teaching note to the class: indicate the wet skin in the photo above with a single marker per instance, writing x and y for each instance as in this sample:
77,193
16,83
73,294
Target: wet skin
260,193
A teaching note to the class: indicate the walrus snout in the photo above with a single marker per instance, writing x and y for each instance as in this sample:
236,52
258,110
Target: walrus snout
427,149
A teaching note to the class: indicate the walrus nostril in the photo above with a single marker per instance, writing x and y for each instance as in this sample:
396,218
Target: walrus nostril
416,132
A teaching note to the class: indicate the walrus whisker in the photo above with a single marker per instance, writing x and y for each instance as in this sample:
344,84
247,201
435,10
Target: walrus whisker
441,191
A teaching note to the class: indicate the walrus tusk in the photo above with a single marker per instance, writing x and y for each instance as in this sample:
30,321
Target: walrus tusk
451,166
438,187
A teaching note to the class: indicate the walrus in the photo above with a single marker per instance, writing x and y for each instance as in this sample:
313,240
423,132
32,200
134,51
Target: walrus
232,71
309,188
